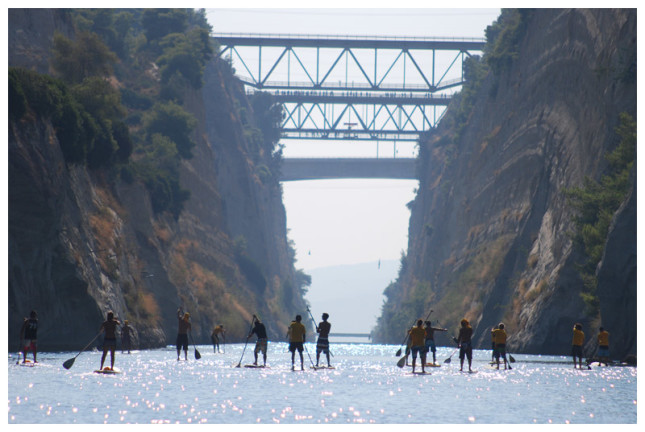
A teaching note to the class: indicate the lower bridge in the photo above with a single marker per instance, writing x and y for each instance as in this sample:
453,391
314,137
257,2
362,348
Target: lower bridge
338,168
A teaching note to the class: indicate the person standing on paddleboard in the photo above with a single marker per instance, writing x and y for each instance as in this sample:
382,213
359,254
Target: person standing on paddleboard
499,338
322,345
29,335
576,344
417,345
429,343
218,330
603,347
465,344
296,334
183,327
261,344
109,341
126,337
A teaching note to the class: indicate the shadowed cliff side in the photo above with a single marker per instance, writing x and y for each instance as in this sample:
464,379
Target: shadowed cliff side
83,240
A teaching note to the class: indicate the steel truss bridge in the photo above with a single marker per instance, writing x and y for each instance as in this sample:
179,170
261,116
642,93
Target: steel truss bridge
352,87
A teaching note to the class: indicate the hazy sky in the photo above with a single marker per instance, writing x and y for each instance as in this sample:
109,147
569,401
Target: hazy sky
338,222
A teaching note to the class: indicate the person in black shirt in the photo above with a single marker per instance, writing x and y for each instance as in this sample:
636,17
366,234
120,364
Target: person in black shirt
28,335
261,344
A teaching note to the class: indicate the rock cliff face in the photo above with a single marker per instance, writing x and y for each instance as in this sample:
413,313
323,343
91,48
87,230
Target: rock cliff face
83,242
488,236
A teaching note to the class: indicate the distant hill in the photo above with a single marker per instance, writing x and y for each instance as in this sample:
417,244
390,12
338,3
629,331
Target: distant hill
352,295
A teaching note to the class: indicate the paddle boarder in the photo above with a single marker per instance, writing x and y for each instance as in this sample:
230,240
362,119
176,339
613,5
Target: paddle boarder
109,341
417,345
29,335
499,344
576,344
492,337
183,327
261,344
429,342
296,334
322,345
126,337
465,344
603,346
218,330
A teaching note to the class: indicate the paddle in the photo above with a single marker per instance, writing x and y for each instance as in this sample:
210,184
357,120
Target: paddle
307,351
398,353
453,353
401,362
197,354
314,321
245,343
69,363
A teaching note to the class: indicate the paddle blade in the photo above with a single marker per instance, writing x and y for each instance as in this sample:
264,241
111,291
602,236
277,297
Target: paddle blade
511,358
401,362
447,360
68,364
197,354
398,353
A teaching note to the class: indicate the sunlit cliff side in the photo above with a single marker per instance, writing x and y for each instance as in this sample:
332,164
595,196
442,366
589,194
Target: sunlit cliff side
492,226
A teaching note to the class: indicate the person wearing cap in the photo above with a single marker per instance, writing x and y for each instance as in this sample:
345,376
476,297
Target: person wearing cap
126,341
296,334
465,344
182,332
429,342
499,339
322,345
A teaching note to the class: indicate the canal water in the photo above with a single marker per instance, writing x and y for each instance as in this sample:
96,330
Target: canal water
366,387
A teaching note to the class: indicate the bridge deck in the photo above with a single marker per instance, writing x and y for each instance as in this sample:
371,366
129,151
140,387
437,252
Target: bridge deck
335,168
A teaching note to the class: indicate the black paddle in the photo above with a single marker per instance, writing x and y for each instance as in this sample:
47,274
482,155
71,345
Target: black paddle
453,353
197,354
245,343
69,363
398,353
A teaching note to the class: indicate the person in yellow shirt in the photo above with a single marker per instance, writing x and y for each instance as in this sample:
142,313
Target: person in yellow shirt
499,341
577,343
418,345
296,335
603,347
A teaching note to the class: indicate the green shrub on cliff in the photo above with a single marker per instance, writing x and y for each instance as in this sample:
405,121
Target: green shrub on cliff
596,202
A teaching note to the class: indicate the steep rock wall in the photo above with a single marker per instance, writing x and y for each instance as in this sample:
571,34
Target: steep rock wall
488,237
83,242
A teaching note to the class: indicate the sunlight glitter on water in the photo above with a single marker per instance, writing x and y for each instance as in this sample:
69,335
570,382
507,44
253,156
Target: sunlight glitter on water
365,387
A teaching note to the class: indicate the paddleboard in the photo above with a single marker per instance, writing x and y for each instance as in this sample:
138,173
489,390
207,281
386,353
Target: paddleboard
252,366
108,371
433,365
322,367
28,363
419,373
469,372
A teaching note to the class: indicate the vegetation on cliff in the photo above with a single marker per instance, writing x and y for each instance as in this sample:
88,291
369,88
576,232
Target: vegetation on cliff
596,202
128,109
488,228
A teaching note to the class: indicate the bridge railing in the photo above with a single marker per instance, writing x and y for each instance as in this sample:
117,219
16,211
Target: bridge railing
346,37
